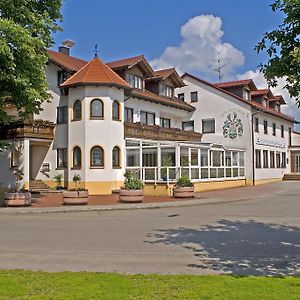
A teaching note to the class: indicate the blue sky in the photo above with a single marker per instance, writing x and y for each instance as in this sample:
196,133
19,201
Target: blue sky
189,35
132,27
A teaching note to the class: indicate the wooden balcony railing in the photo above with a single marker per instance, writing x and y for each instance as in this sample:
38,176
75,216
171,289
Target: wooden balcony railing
28,129
142,131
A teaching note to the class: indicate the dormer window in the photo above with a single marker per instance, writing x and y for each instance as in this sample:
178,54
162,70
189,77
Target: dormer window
165,90
134,81
247,94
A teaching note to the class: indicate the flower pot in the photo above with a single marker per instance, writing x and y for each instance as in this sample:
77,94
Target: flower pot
75,197
183,192
17,199
131,196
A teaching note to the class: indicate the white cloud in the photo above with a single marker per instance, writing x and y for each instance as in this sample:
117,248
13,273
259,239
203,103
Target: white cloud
291,108
200,48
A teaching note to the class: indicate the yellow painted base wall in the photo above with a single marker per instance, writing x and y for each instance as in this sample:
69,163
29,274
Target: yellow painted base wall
218,185
99,188
263,181
106,188
158,190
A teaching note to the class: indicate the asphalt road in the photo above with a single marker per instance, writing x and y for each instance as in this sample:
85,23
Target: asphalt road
259,236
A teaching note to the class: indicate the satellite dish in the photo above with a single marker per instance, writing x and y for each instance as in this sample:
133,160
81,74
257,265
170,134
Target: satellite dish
68,43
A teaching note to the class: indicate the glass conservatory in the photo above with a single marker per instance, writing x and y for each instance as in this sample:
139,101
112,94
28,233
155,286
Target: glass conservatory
165,162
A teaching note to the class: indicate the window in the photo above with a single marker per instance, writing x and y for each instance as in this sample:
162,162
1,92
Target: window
265,127
283,161
97,109
77,110
274,129
61,158
97,157
228,159
209,126
77,158
116,160
290,136
62,115
204,158
256,125
247,94
272,159
164,122
128,114
165,90
278,160
258,159
181,96
62,76
216,158
147,118
116,111
282,131
266,159
194,96
134,81
188,126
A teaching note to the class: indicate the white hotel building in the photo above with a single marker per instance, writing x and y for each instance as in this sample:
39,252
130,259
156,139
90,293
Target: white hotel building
105,119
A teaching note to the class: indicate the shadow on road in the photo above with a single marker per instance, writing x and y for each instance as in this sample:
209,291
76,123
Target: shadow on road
241,248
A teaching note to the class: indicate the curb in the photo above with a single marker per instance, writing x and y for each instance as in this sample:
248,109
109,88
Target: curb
116,207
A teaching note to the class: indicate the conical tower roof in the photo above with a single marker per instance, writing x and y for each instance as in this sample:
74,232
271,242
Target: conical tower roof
96,72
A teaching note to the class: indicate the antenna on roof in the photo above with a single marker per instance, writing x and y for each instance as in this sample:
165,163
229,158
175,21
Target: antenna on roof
220,67
96,50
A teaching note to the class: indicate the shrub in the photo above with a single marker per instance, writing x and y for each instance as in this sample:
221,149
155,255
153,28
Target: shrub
132,182
184,181
58,179
76,180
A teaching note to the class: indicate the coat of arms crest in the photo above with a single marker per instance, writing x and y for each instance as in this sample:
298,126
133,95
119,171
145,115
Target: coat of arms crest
233,127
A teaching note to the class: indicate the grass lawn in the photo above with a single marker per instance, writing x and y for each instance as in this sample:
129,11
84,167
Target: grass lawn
39,285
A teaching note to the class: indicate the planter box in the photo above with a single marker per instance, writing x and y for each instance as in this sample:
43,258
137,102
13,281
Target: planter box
75,197
183,192
17,199
131,196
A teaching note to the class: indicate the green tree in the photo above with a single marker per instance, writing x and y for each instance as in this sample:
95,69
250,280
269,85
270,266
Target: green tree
26,28
283,48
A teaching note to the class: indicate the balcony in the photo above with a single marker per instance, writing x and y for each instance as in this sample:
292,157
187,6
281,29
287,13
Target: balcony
28,129
142,131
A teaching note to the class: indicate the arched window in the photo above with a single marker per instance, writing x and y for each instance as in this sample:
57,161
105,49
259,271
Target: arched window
116,157
97,109
77,157
97,157
116,110
77,110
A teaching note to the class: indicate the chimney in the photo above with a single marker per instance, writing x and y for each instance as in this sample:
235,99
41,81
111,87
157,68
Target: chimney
66,46
64,50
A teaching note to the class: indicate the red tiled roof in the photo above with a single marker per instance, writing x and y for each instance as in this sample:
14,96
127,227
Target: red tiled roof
235,83
96,72
251,103
65,61
126,62
278,98
165,72
173,102
260,92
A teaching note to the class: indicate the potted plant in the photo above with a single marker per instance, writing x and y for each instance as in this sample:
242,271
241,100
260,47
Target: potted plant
58,179
133,190
184,188
17,196
76,196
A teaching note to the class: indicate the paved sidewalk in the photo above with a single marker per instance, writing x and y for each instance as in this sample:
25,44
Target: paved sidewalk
52,203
